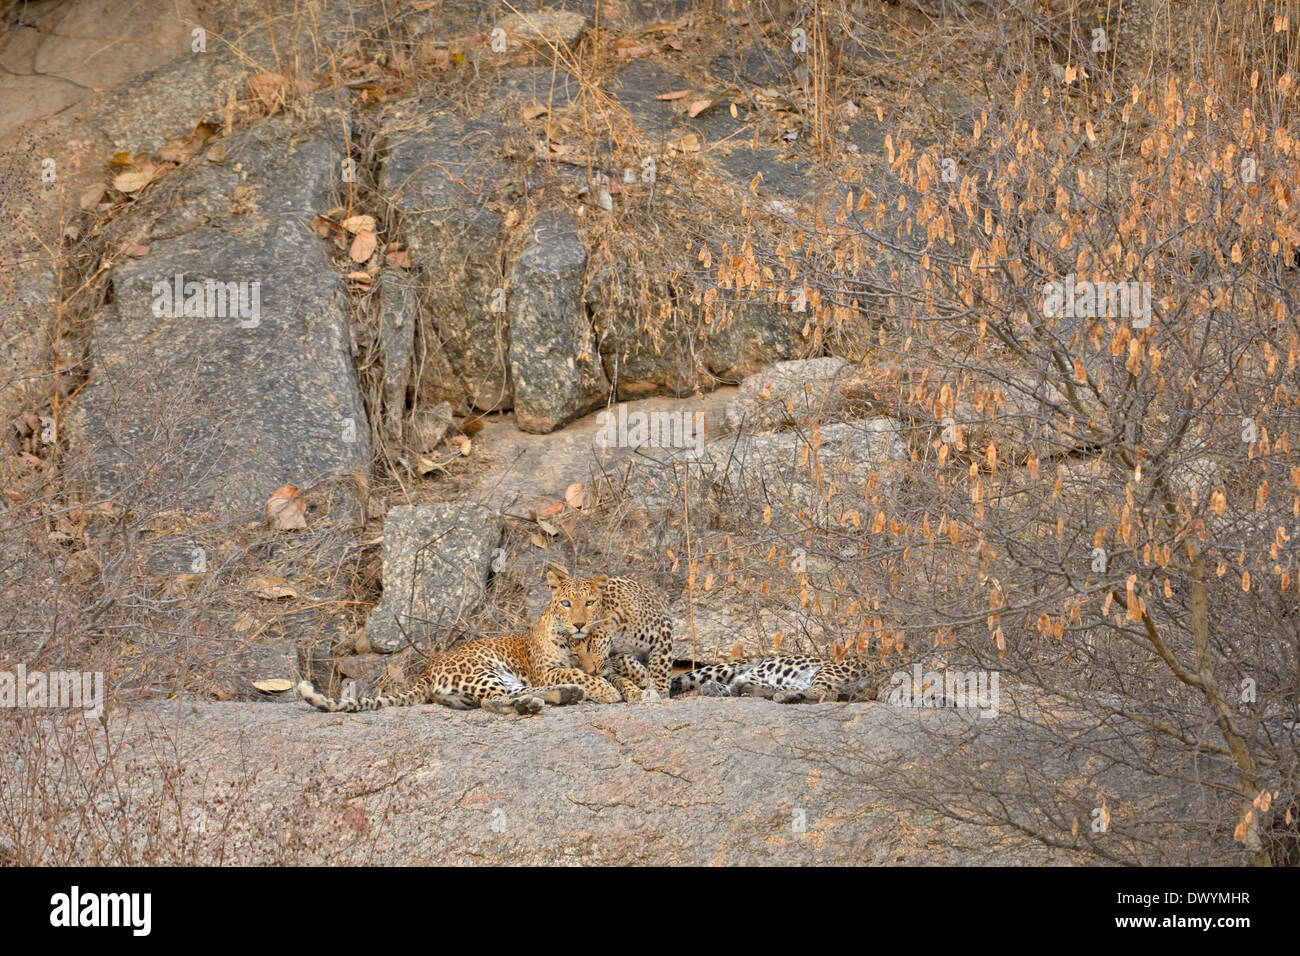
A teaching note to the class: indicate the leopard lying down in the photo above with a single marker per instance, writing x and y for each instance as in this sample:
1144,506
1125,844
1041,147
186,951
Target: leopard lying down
513,673
786,679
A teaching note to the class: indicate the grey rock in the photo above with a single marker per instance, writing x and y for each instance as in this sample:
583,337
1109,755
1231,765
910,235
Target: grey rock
275,170
28,295
436,563
440,175
553,360
780,470
636,88
749,334
800,391
754,64
448,18
220,411
691,781
429,426
170,555
397,320
643,351
540,30
528,470
781,178
165,103
513,88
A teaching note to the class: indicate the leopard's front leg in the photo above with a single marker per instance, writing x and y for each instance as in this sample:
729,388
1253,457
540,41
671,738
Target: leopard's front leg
660,664
630,676
596,688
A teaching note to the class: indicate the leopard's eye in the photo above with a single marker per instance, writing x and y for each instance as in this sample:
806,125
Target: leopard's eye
591,602
564,604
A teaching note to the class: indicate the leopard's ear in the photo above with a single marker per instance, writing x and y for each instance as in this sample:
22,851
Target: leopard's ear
554,580
600,581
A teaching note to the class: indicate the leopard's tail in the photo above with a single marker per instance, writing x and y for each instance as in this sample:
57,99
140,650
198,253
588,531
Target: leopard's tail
418,695
722,673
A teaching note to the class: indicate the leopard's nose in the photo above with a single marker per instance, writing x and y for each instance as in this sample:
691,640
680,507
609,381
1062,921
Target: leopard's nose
580,625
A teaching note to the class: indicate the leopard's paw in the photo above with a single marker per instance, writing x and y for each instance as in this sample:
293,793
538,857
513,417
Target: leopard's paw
570,694
528,705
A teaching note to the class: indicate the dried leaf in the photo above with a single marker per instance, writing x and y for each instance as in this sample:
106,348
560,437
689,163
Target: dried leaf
272,588
363,246
131,181
698,107
325,227
89,199
575,495
355,224
675,95
285,510
277,685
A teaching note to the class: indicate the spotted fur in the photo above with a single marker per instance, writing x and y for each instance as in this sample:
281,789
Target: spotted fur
513,673
633,646
786,679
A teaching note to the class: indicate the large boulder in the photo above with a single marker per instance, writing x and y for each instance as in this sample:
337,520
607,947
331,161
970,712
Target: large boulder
397,320
553,359
440,173
436,563
221,408
825,473
796,392
682,782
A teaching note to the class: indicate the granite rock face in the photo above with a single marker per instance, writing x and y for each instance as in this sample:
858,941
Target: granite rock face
553,358
690,781
220,408
222,368
439,179
797,391
397,321
436,563
830,473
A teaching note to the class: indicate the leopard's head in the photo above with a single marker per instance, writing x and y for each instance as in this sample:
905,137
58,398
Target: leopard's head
576,606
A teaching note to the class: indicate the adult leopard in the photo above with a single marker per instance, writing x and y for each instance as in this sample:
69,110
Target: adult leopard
517,673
